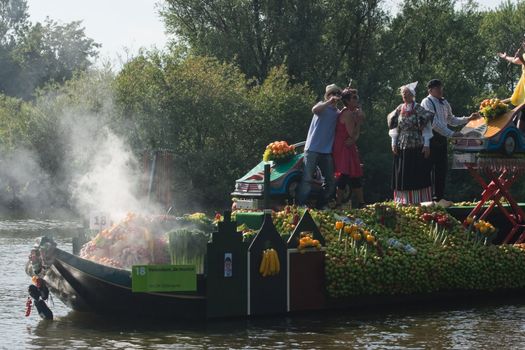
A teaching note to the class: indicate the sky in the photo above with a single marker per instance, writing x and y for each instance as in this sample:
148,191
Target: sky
124,26
121,26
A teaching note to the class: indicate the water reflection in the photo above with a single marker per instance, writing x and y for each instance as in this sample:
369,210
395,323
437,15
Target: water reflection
25,226
473,328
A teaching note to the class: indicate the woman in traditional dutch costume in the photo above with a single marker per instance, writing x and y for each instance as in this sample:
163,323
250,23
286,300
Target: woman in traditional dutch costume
410,127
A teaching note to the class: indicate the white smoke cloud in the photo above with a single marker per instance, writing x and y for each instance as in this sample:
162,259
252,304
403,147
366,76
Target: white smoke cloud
77,157
104,173
111,180
22,176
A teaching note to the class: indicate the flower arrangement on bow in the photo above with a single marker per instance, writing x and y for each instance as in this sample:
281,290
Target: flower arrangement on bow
483,231
357,238
492,108
279,152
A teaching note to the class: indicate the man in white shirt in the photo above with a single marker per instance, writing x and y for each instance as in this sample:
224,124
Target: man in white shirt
443,117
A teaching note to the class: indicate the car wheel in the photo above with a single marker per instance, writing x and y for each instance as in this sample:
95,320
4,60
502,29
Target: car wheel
509,144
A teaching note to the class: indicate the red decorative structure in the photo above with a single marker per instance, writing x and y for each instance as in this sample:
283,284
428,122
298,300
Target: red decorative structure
501,174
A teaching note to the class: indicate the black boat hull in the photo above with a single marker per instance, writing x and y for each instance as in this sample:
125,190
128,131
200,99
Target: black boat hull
84,285
87,286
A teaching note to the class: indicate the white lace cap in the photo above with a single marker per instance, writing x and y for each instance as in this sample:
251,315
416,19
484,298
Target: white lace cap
411,87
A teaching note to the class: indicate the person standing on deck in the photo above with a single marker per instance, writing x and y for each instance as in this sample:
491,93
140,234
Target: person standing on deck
318,147
436,103
410,127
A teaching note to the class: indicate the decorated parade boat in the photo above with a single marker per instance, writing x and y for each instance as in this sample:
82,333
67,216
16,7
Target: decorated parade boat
380,255
287,260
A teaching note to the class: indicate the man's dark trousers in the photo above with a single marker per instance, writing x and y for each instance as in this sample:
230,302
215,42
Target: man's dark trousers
439,158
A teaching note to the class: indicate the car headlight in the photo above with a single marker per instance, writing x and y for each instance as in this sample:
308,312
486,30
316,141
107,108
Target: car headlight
236,185
260,187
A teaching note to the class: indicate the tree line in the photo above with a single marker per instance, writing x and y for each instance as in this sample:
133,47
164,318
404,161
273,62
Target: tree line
240,74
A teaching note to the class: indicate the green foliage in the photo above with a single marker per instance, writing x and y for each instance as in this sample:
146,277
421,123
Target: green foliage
32,55
244,74
282,107
38,139
13,20
505,27
15,116
59,109
255,34
50,52
316,41
215,120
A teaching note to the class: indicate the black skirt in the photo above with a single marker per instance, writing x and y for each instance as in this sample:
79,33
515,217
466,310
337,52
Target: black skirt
411,170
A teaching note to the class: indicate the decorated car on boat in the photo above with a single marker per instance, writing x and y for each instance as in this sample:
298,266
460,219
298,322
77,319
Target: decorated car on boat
286,167
501,131
286,170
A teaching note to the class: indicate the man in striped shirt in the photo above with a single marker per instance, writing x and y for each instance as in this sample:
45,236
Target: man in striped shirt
443,117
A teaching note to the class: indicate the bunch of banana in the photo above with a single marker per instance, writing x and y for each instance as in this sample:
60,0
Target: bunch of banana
270,264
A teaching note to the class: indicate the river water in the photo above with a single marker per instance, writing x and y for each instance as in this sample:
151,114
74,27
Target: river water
479,326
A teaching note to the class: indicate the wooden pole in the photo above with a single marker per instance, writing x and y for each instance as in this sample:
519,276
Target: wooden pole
266,191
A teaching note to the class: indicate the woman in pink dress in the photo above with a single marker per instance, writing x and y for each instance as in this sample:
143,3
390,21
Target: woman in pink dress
347,163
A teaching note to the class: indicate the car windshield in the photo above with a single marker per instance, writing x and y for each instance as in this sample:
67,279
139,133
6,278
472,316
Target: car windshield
474,131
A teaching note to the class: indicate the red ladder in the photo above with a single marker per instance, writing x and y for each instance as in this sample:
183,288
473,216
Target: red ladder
501,175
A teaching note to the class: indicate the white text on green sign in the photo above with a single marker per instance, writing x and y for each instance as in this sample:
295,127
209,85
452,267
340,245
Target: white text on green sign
163,278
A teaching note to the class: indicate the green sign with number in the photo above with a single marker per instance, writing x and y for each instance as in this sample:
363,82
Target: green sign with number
163,278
